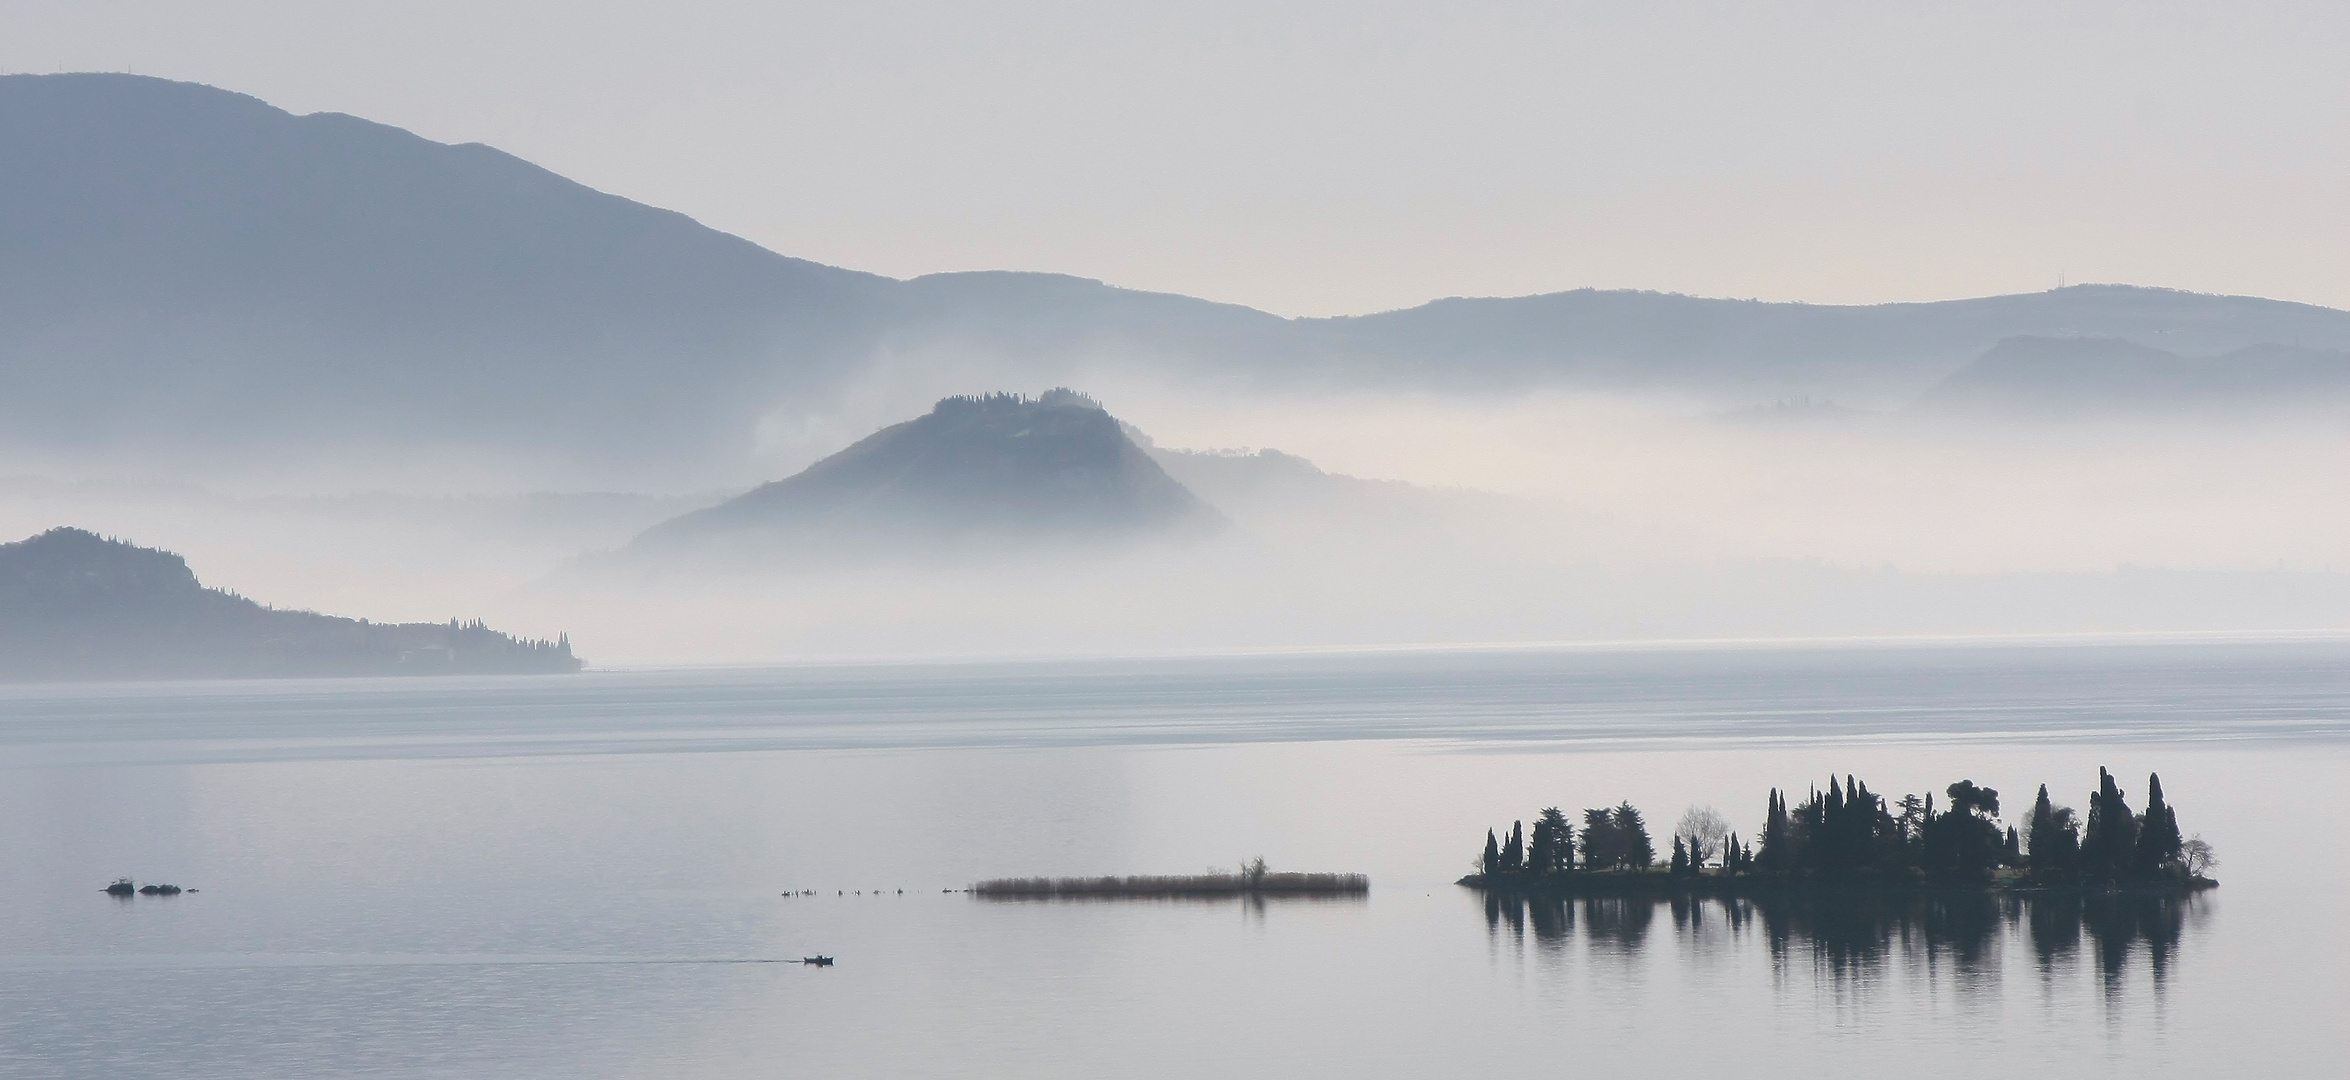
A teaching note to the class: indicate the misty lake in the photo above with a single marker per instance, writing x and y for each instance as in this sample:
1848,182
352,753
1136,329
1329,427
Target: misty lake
584,876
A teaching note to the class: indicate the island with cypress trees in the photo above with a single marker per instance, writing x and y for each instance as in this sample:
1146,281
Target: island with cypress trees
1845,837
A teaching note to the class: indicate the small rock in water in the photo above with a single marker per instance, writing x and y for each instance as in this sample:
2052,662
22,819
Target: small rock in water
159,890
121,888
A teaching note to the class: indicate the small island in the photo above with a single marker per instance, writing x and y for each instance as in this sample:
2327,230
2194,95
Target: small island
1253,881
1845,838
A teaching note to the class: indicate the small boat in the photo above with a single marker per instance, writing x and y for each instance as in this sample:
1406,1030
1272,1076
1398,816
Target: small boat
818,961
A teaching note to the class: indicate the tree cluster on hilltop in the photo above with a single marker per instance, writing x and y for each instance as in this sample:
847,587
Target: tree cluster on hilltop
1846,833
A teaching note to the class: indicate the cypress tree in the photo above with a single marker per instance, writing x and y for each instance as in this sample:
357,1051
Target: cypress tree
1828,847
2159,842
1492,855
1680,856
2040,831
2111,842
1513,853
1778,838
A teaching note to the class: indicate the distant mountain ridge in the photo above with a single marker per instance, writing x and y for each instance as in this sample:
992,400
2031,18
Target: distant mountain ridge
987,472
187,268
77,606
2034,376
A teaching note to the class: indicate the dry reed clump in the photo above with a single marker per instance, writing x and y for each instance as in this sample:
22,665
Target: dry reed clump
1193,885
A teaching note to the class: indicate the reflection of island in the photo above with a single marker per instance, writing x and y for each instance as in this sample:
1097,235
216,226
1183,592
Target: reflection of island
1850,932
77,606
1847,840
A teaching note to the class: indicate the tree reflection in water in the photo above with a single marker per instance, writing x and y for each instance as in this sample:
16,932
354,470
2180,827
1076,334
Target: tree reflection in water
1850,936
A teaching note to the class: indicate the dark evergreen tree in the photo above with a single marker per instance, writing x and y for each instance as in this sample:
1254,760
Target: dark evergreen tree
1778,839
1552,851
1965,796
1680,866
1492,860
1846,830
2053,842
2111,842
1602,847
2159,843
1638,851
1513,852
1963,842
1912,818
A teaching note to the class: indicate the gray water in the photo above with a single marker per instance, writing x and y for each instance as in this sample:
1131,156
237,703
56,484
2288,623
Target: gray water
584,876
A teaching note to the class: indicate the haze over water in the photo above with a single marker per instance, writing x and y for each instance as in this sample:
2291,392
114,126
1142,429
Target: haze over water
580,877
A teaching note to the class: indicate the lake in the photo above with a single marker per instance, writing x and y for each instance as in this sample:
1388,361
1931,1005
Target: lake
584,876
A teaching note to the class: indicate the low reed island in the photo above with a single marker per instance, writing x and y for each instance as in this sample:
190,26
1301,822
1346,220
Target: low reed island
1846,838
1252,881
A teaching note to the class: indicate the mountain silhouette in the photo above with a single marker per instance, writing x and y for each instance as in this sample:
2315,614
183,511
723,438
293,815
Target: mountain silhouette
186,270
2034,376
999,471
180,264
76,606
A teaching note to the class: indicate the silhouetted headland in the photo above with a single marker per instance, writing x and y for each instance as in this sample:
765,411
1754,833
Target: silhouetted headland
1251,881
1847,838
77,606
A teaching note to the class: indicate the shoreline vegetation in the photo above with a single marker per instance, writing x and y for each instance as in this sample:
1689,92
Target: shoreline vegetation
1848,840
1252,881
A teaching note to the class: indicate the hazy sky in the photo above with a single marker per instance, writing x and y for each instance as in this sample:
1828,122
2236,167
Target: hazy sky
1319,158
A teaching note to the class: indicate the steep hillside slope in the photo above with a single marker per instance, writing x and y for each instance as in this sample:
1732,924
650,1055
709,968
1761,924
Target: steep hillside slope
181,265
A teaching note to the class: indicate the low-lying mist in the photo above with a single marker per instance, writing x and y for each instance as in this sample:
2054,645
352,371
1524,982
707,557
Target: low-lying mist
1542,516
1811,480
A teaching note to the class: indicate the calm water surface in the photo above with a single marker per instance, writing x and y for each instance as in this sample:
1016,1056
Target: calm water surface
583,876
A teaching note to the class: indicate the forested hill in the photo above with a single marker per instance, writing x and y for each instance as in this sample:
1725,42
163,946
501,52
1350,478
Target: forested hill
993,471
77,606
